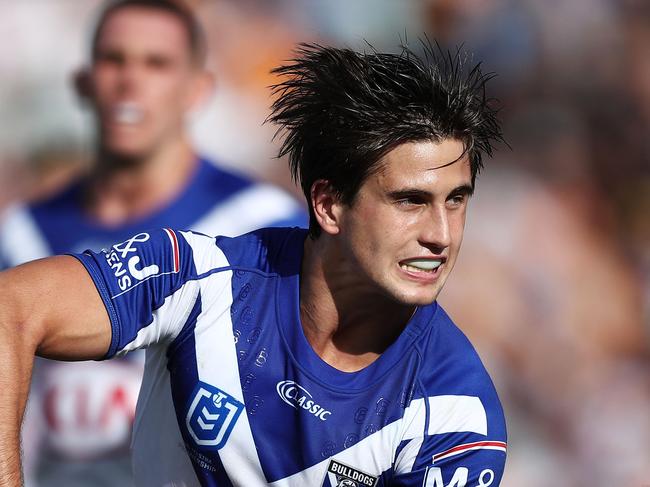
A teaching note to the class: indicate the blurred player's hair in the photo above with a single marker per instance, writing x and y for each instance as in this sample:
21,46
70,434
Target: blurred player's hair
342,111
195,34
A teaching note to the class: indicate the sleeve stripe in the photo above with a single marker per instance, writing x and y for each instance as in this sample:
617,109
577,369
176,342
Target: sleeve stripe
477,445
174,241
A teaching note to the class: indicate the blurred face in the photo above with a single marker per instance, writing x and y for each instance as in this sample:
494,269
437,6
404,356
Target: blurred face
142,82
403,232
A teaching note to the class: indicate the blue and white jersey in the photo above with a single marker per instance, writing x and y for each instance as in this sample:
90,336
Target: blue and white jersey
233,393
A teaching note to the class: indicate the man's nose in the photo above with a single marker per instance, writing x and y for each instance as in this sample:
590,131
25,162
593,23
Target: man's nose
129,78
435,228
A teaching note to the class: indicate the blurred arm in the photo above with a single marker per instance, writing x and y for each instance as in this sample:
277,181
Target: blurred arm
48,307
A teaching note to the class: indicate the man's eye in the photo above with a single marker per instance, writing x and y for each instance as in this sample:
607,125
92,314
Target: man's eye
110,57
158,62
411,201
457,200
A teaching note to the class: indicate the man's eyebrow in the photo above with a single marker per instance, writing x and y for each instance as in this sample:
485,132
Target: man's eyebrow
408,193
466,189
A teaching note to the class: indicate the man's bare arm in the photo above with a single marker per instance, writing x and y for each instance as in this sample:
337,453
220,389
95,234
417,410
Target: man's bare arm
48,307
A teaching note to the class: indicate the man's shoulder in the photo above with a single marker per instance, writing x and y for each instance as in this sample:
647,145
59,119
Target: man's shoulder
451,365
454,385
266,251
239,204
275,250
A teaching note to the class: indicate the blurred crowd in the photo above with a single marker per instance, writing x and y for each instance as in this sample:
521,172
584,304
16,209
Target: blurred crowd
553,282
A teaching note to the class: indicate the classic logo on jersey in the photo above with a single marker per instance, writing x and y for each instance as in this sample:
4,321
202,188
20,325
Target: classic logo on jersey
341,475
129,269
298,397
212,416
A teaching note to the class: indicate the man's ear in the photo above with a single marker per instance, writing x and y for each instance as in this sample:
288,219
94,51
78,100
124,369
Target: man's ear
82,85
327,206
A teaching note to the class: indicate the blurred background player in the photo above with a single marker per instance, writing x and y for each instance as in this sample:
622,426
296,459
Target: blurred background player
146,74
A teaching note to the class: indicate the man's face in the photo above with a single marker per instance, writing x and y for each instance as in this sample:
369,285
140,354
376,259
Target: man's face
403,231
142,82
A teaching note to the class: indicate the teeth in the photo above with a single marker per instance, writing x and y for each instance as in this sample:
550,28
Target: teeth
421,264
128,113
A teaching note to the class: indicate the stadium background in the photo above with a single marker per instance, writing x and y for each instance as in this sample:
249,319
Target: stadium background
553,283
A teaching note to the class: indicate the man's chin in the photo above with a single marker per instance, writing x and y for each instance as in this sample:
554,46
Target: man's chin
417,298
124,156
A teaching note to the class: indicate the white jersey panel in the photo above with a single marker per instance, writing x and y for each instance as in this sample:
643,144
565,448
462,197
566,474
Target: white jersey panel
414,427
168,320
257,206
207,256
450,414
216,361
20,238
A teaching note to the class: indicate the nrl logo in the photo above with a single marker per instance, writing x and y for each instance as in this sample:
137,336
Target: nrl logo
212,416
341,475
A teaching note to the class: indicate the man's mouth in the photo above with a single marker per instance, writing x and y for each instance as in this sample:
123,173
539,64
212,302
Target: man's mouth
127,113
421,265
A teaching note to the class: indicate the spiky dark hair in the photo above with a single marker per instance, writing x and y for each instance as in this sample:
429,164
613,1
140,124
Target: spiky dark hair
342,111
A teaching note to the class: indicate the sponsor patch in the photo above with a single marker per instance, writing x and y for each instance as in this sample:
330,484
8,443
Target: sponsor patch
298,397
211,416
129,267
341,475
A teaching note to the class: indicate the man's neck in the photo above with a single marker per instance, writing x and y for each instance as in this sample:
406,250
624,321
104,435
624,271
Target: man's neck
122,190
347,323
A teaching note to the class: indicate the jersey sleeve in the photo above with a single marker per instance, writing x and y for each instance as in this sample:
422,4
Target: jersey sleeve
149,284
454,440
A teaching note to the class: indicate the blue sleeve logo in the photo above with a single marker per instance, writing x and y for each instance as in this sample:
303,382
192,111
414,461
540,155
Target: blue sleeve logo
212,416
130,270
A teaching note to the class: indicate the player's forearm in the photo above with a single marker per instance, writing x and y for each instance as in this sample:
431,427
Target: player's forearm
17,347
15,373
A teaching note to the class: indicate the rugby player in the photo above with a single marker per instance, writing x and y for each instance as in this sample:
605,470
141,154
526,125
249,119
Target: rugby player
293,357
